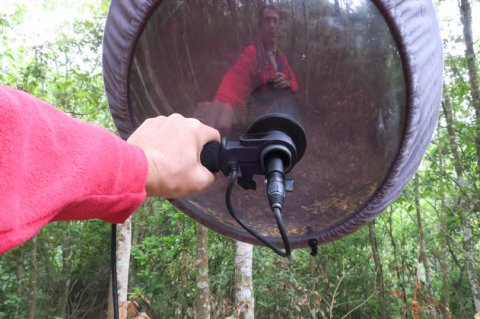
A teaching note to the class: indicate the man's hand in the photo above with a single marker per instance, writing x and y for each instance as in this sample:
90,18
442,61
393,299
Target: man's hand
172,146
281,81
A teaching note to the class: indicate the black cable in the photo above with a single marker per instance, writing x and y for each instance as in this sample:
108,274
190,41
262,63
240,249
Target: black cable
281,227
278,217
113,262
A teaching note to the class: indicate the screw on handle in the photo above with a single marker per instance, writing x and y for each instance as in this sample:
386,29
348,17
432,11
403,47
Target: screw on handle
209,156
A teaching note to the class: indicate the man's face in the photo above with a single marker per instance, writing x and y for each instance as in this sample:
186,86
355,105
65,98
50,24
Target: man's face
270,26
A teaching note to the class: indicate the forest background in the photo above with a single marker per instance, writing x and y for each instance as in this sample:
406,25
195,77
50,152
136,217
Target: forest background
420,259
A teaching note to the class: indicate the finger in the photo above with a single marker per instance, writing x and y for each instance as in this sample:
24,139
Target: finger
203,178
278,81
208,134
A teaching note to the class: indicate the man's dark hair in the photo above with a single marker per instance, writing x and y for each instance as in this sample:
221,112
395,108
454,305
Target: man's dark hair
265,7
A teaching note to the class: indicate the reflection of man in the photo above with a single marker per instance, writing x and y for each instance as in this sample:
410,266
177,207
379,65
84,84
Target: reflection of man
261,71
259,64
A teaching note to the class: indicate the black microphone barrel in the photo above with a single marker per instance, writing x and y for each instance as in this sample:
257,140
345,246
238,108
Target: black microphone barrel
209,156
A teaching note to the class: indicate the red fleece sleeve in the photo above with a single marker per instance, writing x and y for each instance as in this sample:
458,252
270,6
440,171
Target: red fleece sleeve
54,167
236,83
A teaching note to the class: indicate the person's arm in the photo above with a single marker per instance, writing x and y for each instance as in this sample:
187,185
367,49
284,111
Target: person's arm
53,167
236,83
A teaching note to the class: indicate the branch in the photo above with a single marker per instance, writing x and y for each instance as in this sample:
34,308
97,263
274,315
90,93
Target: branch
335,293
358,306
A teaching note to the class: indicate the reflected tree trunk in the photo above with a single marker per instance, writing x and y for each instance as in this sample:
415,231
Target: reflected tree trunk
187,51
202,292
307,50
233,11
244,280
293,35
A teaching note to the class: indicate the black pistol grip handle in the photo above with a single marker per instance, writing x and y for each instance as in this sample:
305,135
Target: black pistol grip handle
209,156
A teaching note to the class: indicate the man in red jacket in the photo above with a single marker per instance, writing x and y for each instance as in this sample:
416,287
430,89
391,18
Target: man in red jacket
54,167
259,64
261,72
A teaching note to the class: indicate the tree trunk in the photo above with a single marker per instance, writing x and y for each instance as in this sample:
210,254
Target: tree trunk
124,247
32,307
466,13
443,234
422,256
65,286
466,223
202,292
110,300
398,267
380,286
243,280
19,276
469,256
67,257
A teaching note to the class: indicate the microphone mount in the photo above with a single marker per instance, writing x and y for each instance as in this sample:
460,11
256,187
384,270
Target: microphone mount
272,146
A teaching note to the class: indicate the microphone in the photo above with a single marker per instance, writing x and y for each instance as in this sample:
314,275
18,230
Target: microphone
271,147
209,156
272,135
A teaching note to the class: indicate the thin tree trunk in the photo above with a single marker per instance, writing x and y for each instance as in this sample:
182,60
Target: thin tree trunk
19,274
445,296
380,286
124,247
32,307
187,51
307,51
202,292
398,267
64,297
244,281
66,257
466,223
466,13
110,300
293,37
422,256
469,256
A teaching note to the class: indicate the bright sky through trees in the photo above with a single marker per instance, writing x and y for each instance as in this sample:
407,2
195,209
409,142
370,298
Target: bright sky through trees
42,19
